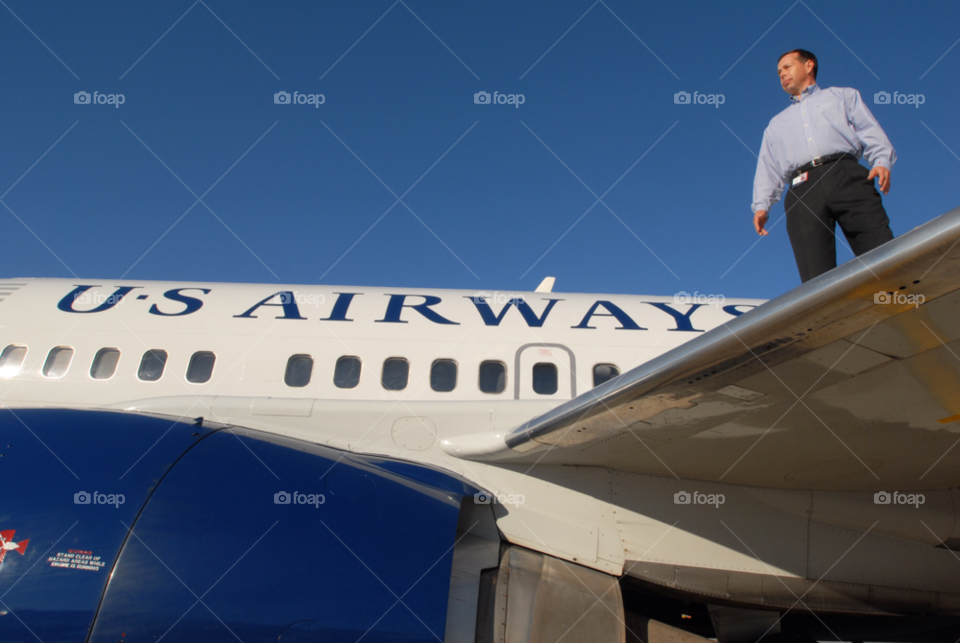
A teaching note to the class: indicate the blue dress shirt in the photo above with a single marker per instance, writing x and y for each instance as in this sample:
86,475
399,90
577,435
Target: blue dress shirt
818,123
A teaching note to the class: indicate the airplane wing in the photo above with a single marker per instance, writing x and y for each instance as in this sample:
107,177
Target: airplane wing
848,382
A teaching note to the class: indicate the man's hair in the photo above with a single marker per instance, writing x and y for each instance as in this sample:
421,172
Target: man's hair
804,56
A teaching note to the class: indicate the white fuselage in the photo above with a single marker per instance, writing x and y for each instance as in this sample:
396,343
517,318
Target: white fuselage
252,344
53,330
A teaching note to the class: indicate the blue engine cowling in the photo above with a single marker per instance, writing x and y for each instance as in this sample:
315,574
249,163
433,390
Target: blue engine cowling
142,528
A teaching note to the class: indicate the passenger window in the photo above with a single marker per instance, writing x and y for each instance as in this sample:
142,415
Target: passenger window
58,361
11,360
396,372
299,370
493,377
200,368
104,363
544,379
151,365
347,372
443,375
603,373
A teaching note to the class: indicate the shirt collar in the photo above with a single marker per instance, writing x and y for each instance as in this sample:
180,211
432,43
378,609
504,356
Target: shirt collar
807,91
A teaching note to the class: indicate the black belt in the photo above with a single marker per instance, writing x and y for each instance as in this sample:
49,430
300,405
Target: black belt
820,160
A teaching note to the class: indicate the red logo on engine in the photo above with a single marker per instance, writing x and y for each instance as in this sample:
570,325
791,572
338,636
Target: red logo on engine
7,544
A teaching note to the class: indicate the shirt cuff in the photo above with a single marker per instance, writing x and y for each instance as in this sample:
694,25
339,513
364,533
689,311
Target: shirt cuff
761,206
884,162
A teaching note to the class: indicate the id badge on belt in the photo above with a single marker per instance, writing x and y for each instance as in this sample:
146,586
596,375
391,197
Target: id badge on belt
800,179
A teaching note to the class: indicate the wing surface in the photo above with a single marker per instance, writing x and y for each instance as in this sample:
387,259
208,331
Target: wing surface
844,383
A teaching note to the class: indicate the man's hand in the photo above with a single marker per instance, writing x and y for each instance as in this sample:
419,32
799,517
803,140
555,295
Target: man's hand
760,220
884,175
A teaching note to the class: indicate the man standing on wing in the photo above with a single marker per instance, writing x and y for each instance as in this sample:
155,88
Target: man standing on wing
813,147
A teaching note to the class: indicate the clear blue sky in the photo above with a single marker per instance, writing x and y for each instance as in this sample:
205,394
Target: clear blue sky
294,193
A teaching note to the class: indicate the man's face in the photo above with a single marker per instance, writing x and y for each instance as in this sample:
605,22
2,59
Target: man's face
794,74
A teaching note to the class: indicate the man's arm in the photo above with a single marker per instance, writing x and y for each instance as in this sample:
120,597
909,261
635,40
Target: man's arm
877,148
768,184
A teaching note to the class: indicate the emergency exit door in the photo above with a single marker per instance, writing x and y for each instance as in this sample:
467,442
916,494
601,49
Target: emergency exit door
544,371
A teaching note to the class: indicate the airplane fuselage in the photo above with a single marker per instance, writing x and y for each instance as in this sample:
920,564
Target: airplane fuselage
253,331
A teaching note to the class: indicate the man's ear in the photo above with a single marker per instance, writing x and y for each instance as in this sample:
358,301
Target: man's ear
810,65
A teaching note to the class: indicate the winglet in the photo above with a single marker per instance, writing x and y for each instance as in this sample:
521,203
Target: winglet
546,285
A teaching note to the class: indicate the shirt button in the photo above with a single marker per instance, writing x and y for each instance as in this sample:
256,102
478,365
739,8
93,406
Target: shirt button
809,139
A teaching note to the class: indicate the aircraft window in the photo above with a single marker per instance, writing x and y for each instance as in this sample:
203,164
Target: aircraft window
493,377
443,375
200,368
11,360
396,372
347,372
603,373
58,361
104,363
151,365
299,370
544,379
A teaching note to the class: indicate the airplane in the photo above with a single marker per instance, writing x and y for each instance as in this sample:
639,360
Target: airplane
253,462
7,544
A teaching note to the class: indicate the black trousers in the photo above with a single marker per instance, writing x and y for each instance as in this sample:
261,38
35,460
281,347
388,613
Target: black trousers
836,192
